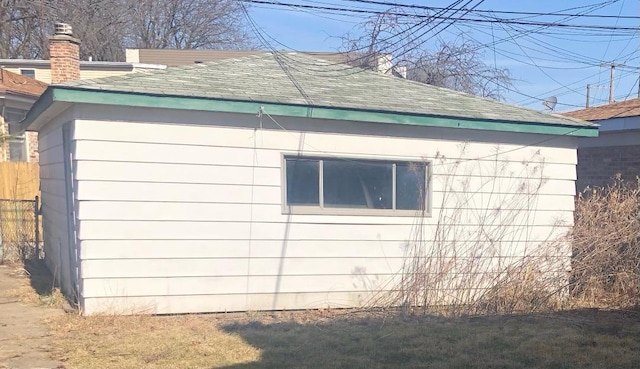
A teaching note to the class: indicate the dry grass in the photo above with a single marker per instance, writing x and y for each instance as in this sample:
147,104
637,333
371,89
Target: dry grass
36,285
578,339
146,341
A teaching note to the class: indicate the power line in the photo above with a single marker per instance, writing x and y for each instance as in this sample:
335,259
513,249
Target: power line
423,7
418,27
552,92
355,69
473,20
511,38
611,37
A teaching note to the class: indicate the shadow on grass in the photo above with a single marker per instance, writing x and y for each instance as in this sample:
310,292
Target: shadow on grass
575,339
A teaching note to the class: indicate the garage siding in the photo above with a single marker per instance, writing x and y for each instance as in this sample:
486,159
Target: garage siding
177,218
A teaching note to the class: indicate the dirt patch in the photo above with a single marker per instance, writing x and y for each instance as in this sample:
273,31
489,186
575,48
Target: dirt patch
25,341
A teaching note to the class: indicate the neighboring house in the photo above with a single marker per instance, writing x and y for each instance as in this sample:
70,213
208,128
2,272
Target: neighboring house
246,184
24,80
41,69
175,57
17,94
617,148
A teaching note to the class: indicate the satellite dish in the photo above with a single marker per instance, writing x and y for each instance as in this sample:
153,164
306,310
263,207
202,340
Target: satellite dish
550,102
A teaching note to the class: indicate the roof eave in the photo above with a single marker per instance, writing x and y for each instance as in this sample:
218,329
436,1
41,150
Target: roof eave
43,110
18,96
54,95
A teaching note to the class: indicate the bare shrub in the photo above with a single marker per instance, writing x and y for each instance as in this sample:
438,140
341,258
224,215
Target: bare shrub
606,246
527,286
485,250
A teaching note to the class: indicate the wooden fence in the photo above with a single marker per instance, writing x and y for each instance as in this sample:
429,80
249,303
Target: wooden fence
19,180
20,226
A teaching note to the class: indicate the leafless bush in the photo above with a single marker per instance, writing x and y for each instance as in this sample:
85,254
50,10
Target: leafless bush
486,250
606,246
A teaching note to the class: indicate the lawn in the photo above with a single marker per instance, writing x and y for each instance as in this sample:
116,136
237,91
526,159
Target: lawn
340,339
588,338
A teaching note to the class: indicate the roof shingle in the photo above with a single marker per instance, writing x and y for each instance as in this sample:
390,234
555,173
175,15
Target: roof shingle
20,85
627,108
297,79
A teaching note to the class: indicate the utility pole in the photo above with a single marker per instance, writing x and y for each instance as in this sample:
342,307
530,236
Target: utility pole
612,78
589,87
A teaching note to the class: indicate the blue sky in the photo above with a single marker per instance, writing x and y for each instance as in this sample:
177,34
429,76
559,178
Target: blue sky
560,64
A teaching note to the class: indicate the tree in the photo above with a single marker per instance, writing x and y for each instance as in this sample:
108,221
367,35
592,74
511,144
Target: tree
107,27
188,24
456,64
19,23
99,24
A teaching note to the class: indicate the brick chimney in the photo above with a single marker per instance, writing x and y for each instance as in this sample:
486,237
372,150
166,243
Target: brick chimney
64,54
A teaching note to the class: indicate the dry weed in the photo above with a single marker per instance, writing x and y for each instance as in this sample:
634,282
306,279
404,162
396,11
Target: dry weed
484,259
606,246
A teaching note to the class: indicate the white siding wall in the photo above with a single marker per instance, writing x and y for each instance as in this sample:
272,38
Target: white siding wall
188,218
54,205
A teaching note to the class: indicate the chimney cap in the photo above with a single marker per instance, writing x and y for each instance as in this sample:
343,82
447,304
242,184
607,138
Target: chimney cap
63,29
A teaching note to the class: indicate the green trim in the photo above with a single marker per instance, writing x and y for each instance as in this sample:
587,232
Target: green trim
75,95
40,106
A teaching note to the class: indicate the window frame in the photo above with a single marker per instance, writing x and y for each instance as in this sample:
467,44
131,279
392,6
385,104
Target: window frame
321,210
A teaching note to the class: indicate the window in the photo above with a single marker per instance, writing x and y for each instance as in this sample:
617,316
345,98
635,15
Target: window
31,73
17,147
354,186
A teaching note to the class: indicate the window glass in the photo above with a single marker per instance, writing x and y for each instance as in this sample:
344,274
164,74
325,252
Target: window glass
331,183
357,184
17,150
303,181
17,147
410,186
31,73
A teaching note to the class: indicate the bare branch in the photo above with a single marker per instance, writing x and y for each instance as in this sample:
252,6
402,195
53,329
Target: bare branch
456,64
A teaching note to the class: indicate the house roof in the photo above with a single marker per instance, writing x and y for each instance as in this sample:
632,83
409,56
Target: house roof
627,108
294,84
16,84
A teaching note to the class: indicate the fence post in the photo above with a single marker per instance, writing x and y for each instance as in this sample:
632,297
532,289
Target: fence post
36,213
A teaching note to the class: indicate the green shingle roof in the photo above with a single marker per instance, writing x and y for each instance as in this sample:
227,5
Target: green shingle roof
298,79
